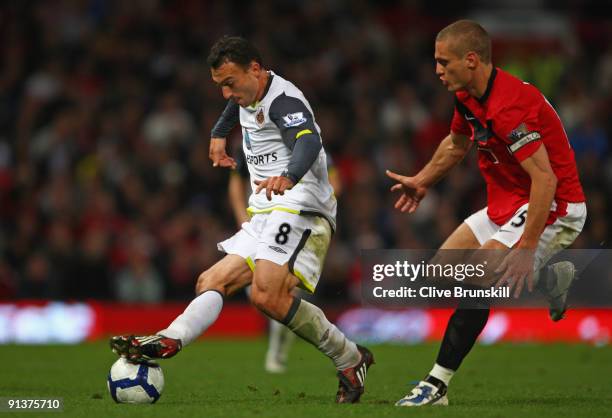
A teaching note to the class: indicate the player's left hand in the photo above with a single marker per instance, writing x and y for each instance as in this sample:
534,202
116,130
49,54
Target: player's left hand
517,268
276,185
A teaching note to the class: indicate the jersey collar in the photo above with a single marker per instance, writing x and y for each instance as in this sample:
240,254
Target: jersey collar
268,84
487,92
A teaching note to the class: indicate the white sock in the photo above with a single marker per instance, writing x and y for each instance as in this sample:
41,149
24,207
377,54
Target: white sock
279,341
442,373
310,323
197,317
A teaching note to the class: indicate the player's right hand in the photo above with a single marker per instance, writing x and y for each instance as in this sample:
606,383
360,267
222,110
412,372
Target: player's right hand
217,154
412,193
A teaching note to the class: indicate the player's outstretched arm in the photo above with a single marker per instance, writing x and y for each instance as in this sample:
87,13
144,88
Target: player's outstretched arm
450,152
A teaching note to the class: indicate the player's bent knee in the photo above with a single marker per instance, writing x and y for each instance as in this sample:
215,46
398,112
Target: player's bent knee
268,302
208,280
259,297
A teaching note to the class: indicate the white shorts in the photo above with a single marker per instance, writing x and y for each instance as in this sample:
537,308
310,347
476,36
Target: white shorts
282,237
555,237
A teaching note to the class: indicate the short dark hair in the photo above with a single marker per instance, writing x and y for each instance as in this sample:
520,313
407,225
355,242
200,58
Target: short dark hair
233,49
466,36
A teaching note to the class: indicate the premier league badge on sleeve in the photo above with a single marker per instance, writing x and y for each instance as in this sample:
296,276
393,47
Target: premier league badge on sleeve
518,132
294,119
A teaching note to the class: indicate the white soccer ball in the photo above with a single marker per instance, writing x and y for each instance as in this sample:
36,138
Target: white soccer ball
135,383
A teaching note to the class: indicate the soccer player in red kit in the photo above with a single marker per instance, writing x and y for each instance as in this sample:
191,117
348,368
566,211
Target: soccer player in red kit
535,203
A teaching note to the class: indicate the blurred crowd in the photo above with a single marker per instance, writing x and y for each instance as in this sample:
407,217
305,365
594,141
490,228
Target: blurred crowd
106,107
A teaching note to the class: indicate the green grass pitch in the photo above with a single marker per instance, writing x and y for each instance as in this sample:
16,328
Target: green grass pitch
215,378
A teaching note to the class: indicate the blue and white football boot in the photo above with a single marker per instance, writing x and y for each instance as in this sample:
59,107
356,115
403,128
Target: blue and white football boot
430,391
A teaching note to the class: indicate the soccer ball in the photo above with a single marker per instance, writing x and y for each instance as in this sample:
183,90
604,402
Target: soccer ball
135,383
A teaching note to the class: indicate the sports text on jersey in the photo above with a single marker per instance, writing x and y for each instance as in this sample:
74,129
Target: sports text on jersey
261,159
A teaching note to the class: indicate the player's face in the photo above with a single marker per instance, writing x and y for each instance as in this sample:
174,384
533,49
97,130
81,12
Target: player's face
238,83
452,69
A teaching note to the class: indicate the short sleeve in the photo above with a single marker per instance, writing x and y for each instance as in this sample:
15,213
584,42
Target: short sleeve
293,119
519,127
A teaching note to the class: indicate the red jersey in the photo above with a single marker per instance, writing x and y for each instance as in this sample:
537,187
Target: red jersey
509,123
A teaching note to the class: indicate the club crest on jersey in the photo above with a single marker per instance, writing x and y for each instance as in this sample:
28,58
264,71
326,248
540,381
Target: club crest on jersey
260,117
294,119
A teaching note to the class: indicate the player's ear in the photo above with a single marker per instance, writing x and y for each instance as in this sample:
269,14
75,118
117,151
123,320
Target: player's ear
472,59
255,68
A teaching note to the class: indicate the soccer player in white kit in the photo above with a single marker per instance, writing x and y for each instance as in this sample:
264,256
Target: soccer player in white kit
280,338
293,214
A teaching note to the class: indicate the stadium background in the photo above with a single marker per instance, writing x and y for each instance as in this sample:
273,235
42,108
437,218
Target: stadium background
106,191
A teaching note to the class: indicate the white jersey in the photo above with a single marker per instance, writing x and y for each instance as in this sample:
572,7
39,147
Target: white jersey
284,107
